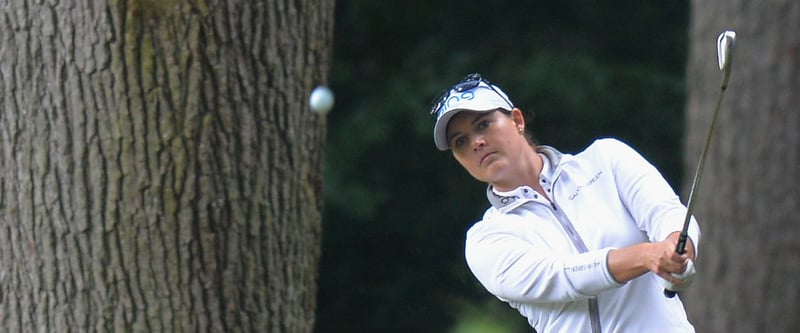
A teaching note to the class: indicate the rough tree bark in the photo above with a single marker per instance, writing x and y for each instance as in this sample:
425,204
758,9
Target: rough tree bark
159,167
748,202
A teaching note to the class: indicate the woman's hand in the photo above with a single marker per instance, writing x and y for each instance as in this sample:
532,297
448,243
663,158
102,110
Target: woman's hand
628,263
661,259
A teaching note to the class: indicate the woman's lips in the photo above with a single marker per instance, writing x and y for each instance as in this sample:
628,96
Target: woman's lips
483,159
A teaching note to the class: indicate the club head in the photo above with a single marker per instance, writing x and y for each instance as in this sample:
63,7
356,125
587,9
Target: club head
725,43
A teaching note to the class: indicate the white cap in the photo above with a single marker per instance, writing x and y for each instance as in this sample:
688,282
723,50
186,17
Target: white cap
481,98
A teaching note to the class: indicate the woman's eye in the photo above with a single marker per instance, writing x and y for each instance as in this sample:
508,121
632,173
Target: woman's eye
459,141
483,124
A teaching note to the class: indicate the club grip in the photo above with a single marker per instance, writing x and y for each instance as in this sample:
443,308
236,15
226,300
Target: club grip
680,249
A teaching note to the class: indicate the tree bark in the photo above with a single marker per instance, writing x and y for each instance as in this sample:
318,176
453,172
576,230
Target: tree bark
748,202
159,167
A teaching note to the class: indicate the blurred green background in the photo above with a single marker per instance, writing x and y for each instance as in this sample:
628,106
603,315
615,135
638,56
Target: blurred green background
397,209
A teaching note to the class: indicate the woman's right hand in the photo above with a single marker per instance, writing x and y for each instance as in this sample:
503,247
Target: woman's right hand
630,262
661,259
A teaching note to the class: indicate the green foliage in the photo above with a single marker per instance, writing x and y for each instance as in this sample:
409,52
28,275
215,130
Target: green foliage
396,208
490,316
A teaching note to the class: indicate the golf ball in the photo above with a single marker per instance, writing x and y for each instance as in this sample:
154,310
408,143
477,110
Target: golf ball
321,100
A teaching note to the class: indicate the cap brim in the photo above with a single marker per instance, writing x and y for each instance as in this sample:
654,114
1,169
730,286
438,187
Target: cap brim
440,128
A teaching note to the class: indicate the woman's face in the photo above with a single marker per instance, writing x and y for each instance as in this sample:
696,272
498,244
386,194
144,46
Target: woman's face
488,144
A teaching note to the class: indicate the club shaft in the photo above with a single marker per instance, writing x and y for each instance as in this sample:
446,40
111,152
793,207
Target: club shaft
680,248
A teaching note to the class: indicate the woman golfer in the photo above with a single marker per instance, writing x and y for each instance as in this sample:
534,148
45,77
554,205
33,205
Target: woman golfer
576,243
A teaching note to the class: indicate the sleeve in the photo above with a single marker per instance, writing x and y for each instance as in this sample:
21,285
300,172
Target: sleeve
647,195
516,270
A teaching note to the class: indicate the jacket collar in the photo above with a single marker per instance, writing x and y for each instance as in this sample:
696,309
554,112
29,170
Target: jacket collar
505,201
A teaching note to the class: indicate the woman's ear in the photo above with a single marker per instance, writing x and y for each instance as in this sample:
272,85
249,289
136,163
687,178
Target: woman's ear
518,119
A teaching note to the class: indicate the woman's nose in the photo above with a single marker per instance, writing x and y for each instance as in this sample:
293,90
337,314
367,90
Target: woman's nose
478,142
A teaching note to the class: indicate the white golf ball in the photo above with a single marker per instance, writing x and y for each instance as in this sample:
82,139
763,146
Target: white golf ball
321,100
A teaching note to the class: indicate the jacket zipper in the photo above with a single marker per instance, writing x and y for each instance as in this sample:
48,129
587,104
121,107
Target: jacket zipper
594,309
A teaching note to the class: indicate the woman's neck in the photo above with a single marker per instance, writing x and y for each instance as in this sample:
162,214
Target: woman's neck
526,173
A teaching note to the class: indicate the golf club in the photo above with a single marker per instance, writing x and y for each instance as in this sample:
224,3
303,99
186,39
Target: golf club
725,43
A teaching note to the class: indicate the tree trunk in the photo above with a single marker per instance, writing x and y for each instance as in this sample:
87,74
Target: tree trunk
748,202
159,167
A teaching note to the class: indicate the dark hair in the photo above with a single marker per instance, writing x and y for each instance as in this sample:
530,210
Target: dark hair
528,135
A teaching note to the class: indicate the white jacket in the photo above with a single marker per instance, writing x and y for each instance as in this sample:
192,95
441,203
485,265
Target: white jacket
548,259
